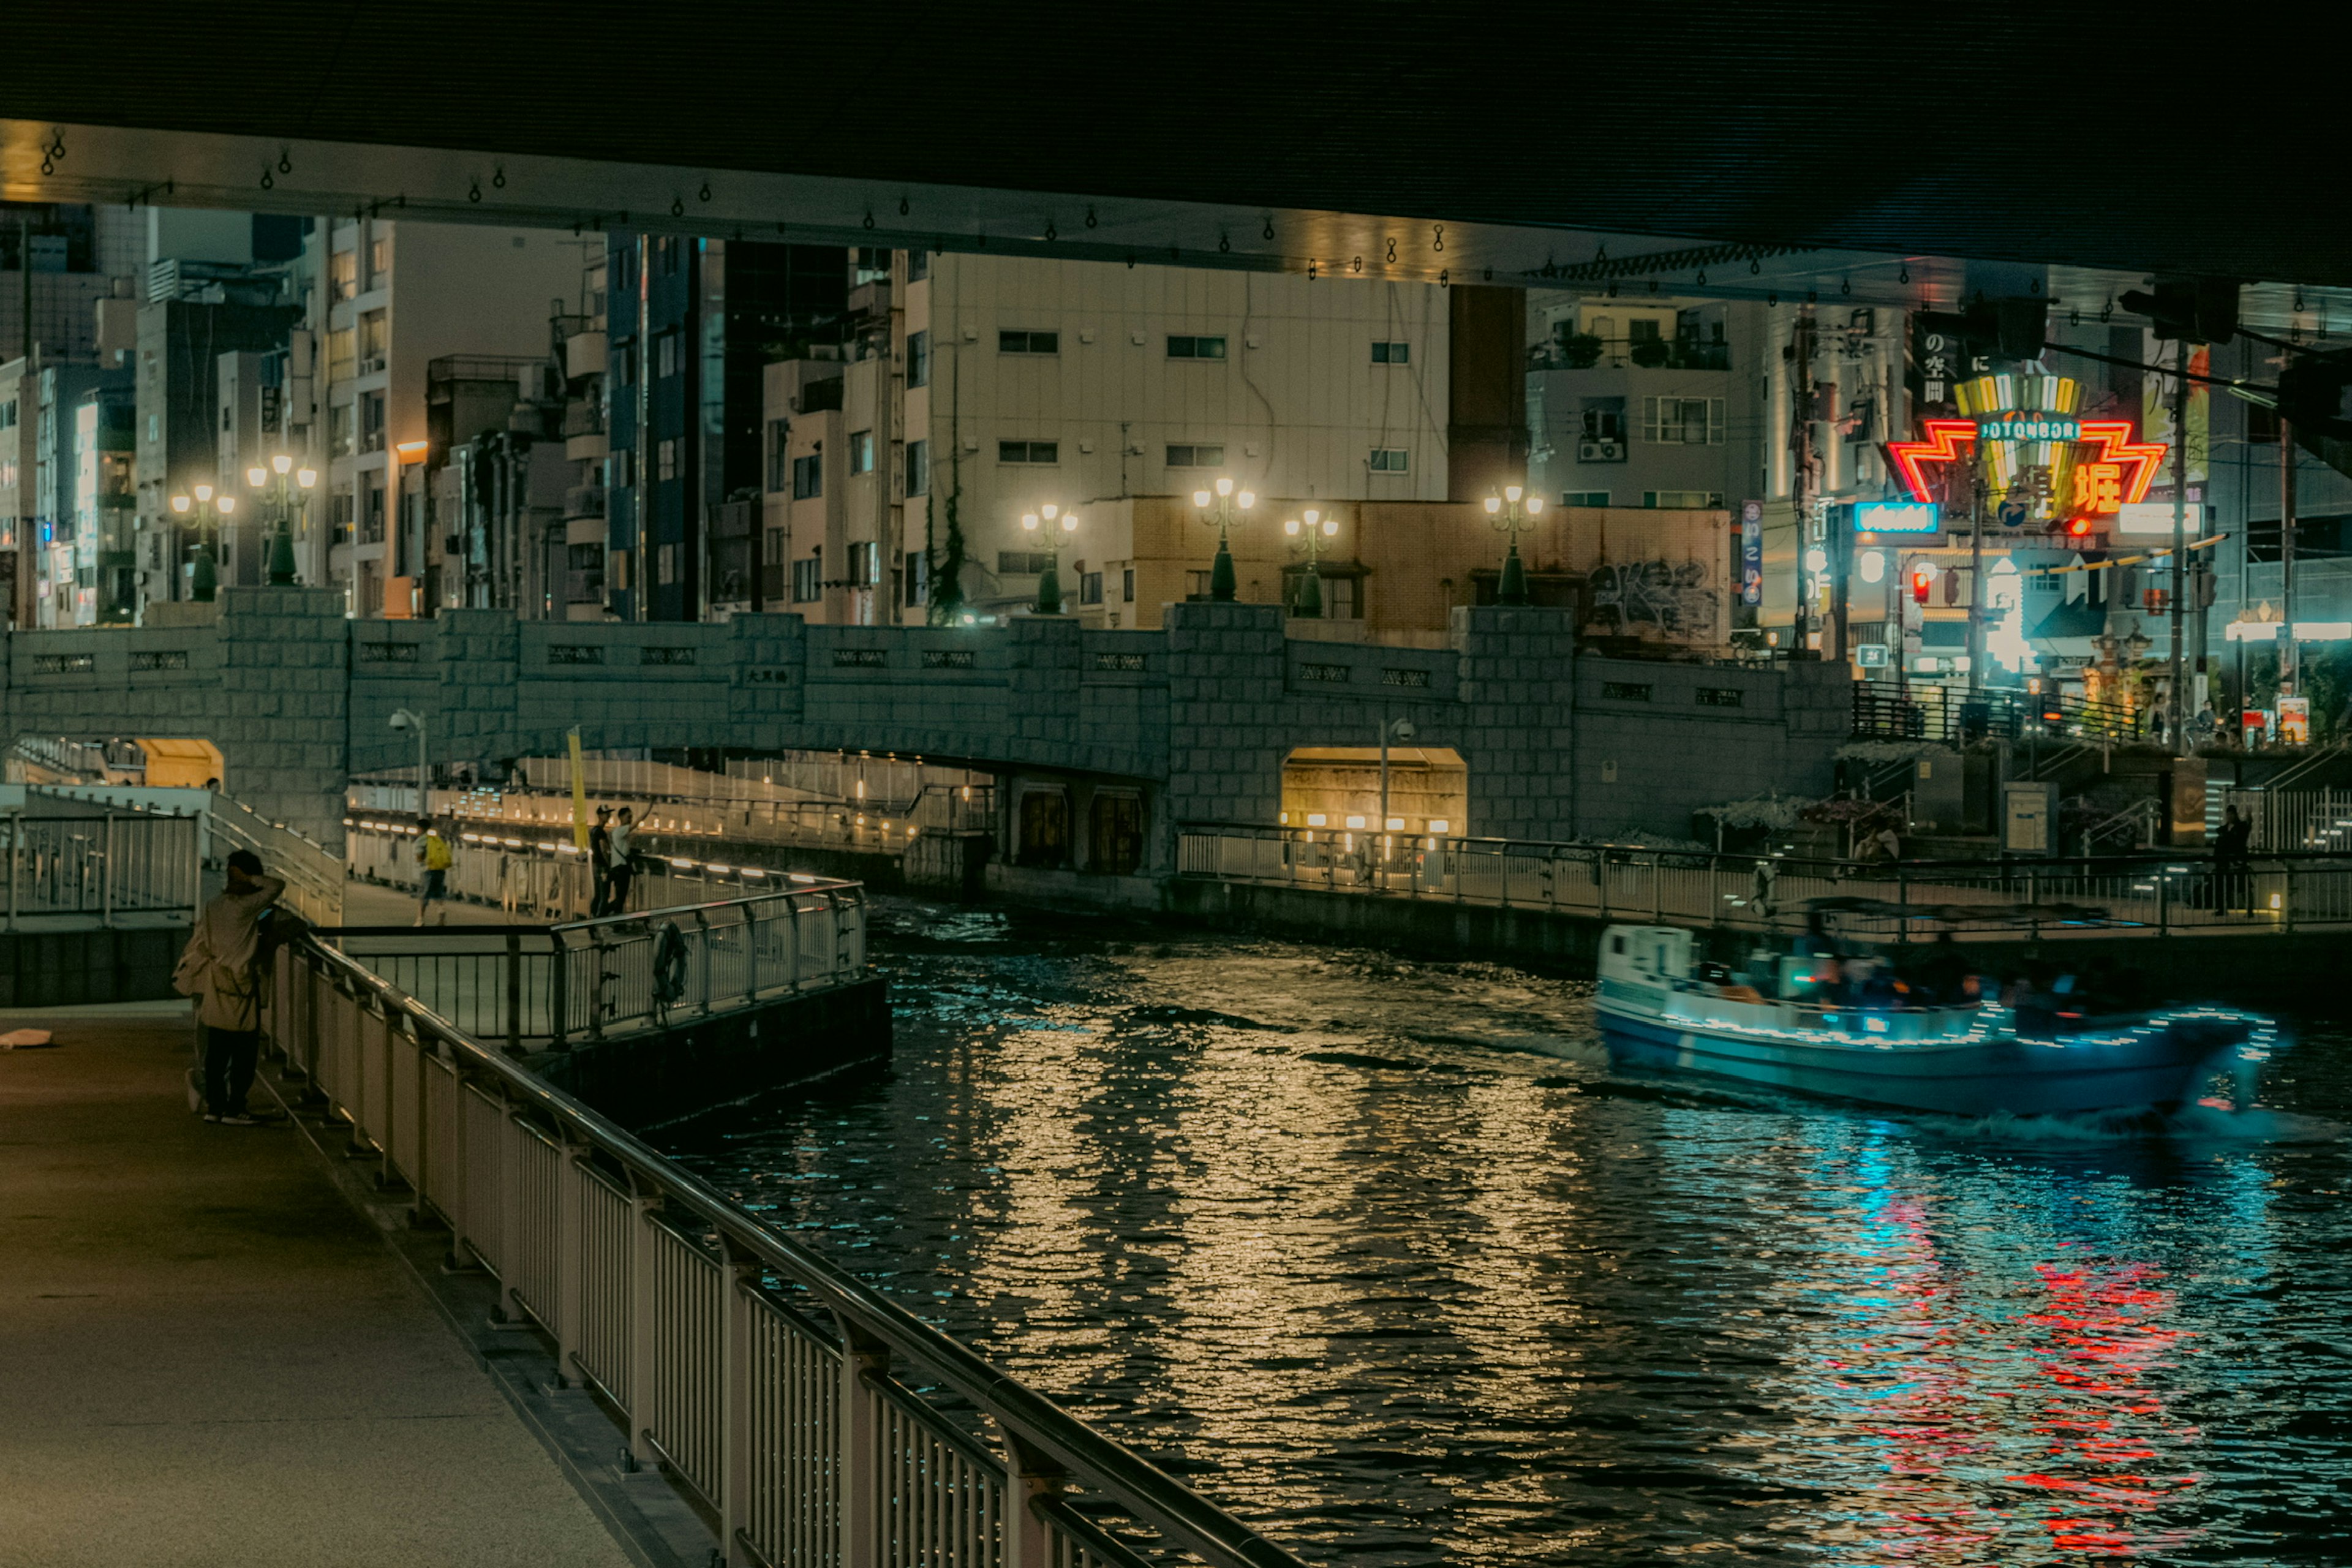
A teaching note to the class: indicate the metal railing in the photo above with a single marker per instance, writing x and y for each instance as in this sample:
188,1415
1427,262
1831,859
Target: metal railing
101,865
773,1383
314,878
2158,894
1923,710
588,978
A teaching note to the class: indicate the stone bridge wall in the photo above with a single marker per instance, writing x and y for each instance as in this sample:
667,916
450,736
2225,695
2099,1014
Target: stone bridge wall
1200,714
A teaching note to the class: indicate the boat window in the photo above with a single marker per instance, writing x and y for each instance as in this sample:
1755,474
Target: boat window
1617,944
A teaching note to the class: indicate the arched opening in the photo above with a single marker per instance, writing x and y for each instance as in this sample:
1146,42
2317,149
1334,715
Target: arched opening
1421,789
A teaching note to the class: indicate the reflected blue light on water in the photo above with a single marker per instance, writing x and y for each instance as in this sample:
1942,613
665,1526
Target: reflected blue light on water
1381,1255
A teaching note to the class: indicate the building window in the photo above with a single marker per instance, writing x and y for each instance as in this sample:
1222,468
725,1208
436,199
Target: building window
666,353
1090,587
1584,498
1028,451
917,573
373,341
865,566
918,468
344,274
624,363
371,516
1684,500
1196,456
1021,562
918,357
1028,342
665,462
1196,348
861,451
808,475
1683,421
338,517
338,429
918,264
1392,352
1388,460
780,457
379,262
1603,419
623,468
666,252
1126,584
665,565
808,579
370,421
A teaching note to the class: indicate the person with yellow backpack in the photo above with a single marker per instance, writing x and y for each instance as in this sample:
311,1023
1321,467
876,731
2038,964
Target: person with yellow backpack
432,888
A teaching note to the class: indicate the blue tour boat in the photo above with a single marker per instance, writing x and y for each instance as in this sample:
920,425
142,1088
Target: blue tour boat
1777,1025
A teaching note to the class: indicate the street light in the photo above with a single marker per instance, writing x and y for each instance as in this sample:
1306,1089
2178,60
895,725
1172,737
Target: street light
1049,581
1227,503
273,482
1512,515
1313,530
402,719
204,573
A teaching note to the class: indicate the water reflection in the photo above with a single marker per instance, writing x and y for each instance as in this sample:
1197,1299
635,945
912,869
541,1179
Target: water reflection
1379,1253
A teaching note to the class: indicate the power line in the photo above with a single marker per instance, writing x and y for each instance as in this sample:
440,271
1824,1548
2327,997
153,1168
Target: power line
2267,395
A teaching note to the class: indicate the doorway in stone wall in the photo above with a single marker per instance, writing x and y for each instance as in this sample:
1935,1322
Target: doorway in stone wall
1044,828
1116,847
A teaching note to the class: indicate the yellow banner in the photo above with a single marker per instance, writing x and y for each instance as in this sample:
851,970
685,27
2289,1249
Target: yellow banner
579,795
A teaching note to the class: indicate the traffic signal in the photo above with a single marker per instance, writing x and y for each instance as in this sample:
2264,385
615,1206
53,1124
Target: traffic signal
1923,580
2078,526
2012,329
2202,310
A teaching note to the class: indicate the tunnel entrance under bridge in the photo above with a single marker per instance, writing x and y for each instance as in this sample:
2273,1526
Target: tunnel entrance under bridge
1425,789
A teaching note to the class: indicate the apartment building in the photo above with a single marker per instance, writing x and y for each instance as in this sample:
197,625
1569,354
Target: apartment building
387,300
972,390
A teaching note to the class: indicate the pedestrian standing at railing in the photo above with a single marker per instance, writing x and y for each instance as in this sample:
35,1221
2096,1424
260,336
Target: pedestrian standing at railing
620,868
433,882
216,968
600,863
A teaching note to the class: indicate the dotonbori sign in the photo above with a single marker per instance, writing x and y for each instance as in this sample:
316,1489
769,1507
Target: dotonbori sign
2035,458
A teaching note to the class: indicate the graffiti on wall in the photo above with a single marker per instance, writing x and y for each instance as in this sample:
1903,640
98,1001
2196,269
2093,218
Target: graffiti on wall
1675,600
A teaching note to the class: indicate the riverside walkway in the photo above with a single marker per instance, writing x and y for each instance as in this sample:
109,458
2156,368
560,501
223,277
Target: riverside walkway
212,1358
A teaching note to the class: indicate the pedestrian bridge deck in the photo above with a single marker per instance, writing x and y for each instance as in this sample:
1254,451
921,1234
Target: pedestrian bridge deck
212,1359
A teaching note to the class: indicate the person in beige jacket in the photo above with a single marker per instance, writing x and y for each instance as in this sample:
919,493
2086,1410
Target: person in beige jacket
216,969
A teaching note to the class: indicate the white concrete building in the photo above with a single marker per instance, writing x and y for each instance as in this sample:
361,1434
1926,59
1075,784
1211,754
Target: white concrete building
997,385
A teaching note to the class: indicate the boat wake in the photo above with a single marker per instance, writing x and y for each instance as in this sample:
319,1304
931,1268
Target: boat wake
2206,1122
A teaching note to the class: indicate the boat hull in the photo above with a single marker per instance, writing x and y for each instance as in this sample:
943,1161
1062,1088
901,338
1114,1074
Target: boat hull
2160,1062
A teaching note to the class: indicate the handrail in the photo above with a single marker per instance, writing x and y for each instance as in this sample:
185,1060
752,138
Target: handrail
1033,1420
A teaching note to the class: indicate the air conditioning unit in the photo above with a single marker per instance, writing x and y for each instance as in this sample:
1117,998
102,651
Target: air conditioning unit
1600,451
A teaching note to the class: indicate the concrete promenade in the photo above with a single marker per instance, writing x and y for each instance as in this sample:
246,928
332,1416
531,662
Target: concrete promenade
209,1357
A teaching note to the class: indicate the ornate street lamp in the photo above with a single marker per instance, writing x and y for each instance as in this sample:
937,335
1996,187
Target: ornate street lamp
204,573
273,481
1512,515
1049,581
1227,503
1315,530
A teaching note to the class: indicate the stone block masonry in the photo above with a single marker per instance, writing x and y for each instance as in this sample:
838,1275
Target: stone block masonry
1198,715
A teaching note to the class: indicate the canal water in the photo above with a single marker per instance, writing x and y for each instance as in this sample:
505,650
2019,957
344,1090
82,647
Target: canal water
1378,1253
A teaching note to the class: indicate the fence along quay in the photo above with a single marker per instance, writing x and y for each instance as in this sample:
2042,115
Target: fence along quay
773,1384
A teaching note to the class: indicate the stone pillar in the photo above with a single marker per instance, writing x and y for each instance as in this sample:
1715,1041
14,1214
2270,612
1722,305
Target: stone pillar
1225,718
1516,686
282,711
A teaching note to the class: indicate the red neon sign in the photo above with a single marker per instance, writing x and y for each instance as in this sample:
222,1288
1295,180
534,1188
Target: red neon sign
2132,464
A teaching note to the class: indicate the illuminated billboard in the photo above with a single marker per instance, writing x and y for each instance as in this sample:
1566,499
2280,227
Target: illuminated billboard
1897,517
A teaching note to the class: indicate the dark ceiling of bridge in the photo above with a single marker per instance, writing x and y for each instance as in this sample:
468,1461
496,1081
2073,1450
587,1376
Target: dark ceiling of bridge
2096,135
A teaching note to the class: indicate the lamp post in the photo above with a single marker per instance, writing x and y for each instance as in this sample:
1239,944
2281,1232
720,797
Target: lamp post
273,482
404,719
1226,502
1049,581
203,571
1512,514
1315,530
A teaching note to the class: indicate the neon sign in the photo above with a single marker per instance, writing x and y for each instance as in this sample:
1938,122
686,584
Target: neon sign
2029,428
2115,471
1896,517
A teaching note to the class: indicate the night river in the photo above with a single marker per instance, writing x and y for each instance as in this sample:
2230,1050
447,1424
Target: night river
1378,1253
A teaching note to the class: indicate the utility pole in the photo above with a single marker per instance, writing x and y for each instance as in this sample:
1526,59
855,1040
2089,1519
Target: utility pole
1801,442
1976,582
2180,539
2290,655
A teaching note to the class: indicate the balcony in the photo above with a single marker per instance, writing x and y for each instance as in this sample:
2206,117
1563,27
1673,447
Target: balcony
585,500
584,353
1582,351
583,416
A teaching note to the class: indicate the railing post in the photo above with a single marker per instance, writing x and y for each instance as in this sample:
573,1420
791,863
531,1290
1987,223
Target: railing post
742,1274
1030,1478
643,1205
750,953
106,876
1657,890
17,866
570,1263
2286,900
702,945
1601,879
2163,901
559,990
514,993
859,1463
